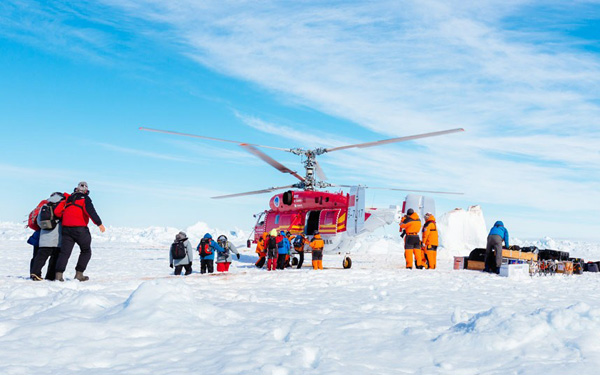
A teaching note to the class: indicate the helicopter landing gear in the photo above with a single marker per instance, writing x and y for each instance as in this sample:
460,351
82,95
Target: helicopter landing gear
294,261
347,262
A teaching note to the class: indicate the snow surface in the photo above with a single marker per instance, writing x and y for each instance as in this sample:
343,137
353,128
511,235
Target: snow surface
132,317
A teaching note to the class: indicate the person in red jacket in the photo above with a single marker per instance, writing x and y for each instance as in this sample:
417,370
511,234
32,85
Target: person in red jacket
76,212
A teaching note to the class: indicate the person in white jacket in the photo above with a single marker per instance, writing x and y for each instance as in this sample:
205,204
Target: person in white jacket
188,256
224,259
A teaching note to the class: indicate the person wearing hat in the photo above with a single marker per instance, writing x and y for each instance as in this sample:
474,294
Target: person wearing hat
207,248
183,260
411,225
75,213
272,250
283,249
317,245
49,242
430,241
224,258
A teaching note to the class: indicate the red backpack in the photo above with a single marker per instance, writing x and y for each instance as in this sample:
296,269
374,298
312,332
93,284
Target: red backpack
32,221
204,247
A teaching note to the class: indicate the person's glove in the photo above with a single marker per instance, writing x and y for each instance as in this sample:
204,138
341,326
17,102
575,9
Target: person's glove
171,265
238,256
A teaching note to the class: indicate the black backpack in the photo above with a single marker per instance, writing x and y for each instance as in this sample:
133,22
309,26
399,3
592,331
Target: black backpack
204,247
298,241
272,242
46,217
178,250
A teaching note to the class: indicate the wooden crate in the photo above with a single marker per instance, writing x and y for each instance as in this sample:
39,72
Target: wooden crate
475,265
515,254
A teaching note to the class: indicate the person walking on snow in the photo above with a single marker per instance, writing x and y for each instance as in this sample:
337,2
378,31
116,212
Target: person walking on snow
283,250
207,248
224,258
261,250
411,224
494,244
181,254
317,245
272,251
76,212
430,241
298,243
49,242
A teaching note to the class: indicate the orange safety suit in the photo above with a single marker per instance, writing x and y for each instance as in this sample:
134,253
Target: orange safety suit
430,241
261,250
317,245
412,244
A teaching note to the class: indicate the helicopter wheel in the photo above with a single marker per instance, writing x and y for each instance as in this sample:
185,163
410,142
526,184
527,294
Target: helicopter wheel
294,261
347,262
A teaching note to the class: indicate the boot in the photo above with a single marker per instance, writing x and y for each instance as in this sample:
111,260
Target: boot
35,277
80,276
59,276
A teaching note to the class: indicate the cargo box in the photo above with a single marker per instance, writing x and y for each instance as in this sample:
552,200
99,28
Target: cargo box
514,270
475,265
460,263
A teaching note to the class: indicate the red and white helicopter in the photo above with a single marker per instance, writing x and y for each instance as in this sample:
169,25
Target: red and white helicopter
339,217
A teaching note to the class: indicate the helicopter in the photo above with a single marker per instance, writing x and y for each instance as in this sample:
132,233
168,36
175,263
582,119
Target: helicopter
339,217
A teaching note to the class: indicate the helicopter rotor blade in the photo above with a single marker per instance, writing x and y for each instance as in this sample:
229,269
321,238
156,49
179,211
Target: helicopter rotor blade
268,190
210,138
408,190
395,140
320,171
269,160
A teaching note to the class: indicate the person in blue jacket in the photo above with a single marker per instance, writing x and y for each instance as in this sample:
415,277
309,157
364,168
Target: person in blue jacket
207,248
498,234
283,249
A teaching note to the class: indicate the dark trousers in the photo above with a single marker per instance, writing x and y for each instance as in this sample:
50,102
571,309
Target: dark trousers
207,265
301,260
317,255
188,269
71,236
40,261
260,262
494,245
281,261
35,251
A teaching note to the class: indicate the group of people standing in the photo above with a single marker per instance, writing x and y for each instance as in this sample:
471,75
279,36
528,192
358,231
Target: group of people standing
275,249
424,247
60,222
181,254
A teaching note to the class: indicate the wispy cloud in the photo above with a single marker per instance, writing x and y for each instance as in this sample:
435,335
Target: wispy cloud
146,154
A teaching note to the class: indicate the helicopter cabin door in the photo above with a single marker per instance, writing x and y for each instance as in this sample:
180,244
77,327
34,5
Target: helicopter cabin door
328,221
356,210
312,222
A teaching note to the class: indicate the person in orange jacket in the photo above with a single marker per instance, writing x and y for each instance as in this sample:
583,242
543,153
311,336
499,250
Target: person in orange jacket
317,244
261,250
411,225
430,240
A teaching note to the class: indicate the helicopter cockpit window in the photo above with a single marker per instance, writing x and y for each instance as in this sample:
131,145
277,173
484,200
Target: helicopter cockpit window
317,200
277,219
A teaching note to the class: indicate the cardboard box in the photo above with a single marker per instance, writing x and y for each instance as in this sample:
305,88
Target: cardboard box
565,267
475,265
515,254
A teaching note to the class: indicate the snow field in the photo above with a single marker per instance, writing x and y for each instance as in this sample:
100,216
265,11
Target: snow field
377,318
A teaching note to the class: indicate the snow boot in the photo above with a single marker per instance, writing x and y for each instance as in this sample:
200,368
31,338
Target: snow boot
59,276
80,276
35,277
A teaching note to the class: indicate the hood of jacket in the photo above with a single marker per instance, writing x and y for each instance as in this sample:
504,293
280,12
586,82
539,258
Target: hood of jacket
430,218
499,224
207,235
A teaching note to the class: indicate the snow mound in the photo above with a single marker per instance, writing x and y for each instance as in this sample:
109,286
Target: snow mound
461,231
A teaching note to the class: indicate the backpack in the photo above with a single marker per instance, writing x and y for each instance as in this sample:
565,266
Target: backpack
298,241
178,250
204,247
272,242
32,221
46,215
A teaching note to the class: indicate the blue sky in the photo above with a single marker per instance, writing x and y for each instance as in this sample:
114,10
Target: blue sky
522,77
